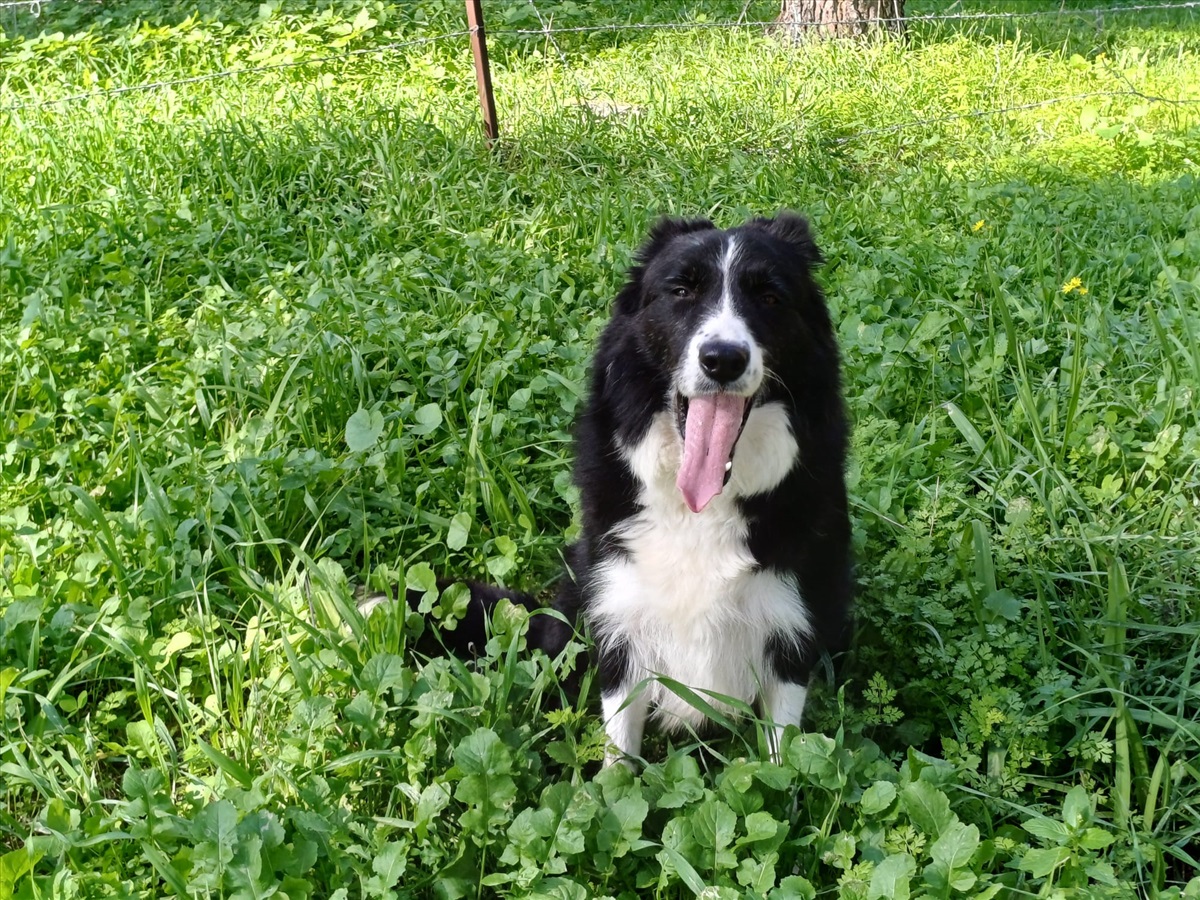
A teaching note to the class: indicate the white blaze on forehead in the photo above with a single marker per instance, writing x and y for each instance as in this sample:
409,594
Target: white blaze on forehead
724,324
715,412
727,261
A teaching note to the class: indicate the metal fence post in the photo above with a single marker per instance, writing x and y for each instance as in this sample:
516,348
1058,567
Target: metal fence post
483,71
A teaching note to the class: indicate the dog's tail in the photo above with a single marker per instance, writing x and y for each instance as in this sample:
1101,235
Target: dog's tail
549,632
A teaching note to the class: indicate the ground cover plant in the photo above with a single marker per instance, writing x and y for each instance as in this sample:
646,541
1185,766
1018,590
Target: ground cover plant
266,337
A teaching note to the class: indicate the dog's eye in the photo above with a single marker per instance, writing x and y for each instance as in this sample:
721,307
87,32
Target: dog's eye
770,299
682,293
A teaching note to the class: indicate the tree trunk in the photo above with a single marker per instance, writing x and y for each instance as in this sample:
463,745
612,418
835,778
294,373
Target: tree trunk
840,18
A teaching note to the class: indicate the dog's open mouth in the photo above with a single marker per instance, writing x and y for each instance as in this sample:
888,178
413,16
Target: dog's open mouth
711,425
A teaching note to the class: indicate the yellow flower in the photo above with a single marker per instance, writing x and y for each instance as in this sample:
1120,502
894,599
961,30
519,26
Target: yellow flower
1074,285
977,225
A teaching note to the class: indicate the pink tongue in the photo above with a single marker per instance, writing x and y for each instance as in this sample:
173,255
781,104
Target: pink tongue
712,426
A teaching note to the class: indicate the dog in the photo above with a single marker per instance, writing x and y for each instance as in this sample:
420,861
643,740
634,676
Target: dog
710,457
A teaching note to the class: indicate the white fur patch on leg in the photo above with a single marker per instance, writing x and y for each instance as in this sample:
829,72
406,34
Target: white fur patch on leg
624,721
783,705
368,603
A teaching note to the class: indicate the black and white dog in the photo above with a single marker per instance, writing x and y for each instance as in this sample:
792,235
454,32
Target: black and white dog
715,547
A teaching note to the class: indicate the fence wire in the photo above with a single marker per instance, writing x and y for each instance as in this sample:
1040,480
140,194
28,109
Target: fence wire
987,113
1095,12
1131,90
548,32
234,73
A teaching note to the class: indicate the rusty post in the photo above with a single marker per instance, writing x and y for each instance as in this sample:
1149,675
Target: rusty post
483,72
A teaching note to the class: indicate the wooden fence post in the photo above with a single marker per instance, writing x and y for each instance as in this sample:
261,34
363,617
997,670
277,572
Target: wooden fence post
483,71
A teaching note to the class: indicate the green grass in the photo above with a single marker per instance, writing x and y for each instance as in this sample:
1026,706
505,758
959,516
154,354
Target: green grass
266,337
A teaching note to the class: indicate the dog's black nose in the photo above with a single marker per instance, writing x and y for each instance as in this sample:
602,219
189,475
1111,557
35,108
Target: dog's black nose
724,361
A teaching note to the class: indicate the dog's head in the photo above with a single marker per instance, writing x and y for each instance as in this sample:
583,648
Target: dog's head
722,311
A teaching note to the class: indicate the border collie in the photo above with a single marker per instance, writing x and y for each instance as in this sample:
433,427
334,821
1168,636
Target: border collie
715,548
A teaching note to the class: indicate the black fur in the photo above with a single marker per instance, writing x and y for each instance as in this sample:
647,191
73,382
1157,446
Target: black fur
800,527
470,635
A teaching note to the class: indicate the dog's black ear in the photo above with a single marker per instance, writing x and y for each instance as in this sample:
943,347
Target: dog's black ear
792,229
666,230
662,233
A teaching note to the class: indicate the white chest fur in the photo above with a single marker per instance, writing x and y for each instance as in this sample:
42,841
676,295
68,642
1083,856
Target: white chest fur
689,600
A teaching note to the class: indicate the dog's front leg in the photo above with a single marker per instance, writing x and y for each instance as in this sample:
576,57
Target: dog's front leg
783,705
624,709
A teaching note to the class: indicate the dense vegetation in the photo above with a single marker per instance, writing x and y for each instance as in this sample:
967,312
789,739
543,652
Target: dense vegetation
266,337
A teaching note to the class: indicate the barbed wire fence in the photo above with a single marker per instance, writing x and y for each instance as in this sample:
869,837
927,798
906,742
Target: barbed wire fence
797,29
476,34
11,8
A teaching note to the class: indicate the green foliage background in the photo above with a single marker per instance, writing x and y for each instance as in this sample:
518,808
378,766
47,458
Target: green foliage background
266,336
